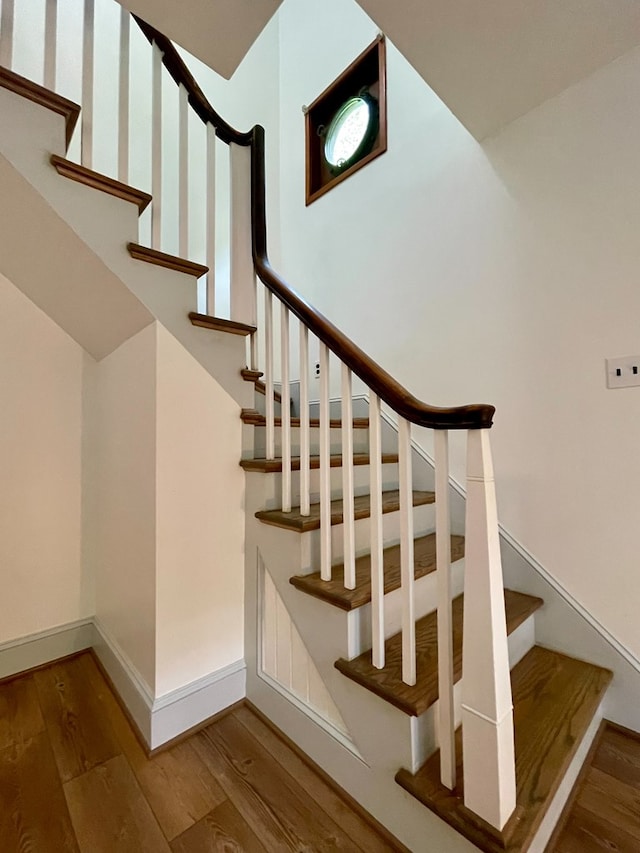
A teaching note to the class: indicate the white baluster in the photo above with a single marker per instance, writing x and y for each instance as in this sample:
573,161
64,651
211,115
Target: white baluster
487,711
347,481
88,64
7,18
325,467
285,409
183,172
211,219
305,473
156,149
50,44
377,554
268,374
406,552
446,718
123,96
242,275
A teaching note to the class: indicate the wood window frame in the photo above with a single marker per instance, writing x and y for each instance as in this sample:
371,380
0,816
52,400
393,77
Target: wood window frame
369,70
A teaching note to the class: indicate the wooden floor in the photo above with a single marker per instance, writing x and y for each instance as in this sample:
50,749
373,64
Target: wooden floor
604,814
73,777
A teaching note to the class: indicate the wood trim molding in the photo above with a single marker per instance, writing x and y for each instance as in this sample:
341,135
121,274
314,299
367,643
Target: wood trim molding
162,259
76,172
369,69
219,324
44,97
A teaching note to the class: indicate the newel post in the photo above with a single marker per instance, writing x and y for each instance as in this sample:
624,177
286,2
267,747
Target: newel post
243,280
487,709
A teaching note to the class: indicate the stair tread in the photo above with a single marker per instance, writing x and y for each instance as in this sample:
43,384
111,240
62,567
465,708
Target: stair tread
163,259
555,698
334,591
90,178
268,466
295,521
255,418
40,95
220,324
414,700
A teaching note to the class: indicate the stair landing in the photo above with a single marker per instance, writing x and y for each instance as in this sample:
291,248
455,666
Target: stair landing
555,698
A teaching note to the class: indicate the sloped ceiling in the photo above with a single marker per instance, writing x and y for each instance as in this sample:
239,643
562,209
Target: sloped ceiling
219,32
492,61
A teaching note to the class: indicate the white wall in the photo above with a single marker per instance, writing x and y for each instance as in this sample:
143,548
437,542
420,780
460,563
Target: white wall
41,389
126,499
504,273
200,522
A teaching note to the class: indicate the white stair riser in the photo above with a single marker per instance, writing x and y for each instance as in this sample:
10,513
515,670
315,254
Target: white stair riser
424,522
256,440
426,601
273,484
424,727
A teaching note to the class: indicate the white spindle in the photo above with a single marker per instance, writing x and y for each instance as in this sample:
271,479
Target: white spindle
183,171
487,711
88,67
50,44
268,374
305,474
377,554
123,96
241,260
347,481
211,219
406,552
156,149
254,358
7,18
285,406
325,469
446,718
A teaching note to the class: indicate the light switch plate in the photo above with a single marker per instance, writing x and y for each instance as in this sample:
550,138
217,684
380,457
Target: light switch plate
623,372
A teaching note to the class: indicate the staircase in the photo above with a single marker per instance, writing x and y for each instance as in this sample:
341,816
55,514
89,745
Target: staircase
365,563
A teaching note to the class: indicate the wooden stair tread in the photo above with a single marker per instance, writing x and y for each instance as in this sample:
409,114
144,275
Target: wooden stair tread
414,700
45,97
334,591
555,698
267,466
162,259
255,418
250,375
303,523
76,172
220,324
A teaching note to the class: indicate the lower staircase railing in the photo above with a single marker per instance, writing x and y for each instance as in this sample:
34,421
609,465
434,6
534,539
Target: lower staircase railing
487,719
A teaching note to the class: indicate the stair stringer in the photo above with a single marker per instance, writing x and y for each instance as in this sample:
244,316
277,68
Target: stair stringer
372,785
29,134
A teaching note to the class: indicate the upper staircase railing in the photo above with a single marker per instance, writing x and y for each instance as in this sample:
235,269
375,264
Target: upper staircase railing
487,719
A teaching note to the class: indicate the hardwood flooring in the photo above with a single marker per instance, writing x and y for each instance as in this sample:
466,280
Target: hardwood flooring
603,813
74,778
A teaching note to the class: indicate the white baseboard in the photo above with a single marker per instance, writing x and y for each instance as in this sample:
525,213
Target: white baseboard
158,719
180,710
45,646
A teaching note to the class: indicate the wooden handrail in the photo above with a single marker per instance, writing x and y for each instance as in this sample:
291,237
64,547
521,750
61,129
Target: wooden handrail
178,70
475,416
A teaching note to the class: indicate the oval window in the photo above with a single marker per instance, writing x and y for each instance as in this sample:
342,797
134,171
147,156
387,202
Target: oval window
351,133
